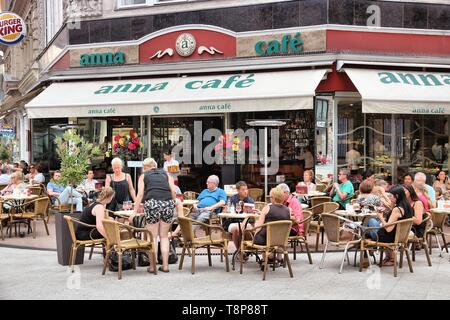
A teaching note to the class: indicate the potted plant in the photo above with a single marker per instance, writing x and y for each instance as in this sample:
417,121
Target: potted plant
75,153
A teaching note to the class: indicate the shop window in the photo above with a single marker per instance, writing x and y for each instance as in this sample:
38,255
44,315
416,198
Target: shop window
391,145
324,139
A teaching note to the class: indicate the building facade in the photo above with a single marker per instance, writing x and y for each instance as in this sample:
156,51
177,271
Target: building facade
360,83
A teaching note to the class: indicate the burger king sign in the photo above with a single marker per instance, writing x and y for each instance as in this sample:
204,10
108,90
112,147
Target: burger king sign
12,28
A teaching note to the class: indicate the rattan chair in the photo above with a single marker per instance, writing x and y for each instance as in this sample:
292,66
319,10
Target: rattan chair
277,236
36,190
39,212
192,242
190,195
259,205
321,187
316,224
3,217
319,199
333,226
114,241
438,223
402,232
78,243
255,193
302,239
414,239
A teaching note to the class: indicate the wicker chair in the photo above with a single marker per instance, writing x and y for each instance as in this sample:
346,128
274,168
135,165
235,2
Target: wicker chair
190,241
438,223
321,187
113,241
78,243
36,190
301,239
40,212
3,217
255,193
259,205
277,237
333,226
421,240
318,200
190,195
316,225
403,229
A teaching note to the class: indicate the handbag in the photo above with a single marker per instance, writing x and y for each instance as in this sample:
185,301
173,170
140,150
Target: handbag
173,257
127,261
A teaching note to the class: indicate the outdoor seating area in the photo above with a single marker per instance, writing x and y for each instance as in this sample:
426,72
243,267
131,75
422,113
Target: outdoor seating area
323,225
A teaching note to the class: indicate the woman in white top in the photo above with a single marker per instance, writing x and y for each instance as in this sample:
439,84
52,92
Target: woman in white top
89,183
442,184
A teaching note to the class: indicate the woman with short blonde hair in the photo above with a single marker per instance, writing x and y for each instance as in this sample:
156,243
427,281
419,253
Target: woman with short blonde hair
121,184
274,211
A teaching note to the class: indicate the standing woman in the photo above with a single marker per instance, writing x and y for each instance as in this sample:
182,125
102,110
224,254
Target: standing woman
157,189
121,184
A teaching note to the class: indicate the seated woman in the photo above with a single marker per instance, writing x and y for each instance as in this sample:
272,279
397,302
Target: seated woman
274,211
442,185
385,201
88,185
15,183
308,176
418,209
366,198
63,194
422,194
400,210
94,214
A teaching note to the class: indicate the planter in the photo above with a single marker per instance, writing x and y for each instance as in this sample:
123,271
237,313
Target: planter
64,241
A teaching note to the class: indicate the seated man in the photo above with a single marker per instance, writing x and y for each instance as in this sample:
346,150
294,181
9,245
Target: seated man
58,191
211,200
341,193
296,209
232,225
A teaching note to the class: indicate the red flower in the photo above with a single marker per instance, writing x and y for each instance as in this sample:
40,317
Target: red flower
132,132
131,146
246,143
117,138
116,147
135,141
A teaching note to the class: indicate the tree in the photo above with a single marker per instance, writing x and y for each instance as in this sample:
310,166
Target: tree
75,153
5,153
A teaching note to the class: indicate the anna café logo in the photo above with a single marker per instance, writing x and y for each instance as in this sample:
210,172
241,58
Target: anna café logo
185,46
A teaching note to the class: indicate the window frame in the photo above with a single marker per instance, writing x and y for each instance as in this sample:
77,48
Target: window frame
147,3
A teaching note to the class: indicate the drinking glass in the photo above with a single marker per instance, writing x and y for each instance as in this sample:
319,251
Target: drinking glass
127,205
238,207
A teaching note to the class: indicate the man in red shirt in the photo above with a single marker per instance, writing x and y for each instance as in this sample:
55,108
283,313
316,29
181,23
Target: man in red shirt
296,209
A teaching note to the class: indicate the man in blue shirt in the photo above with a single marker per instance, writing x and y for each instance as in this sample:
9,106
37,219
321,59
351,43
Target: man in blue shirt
211,200
232,225
62,193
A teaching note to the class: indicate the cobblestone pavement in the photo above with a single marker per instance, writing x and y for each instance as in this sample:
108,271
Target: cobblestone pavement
35,274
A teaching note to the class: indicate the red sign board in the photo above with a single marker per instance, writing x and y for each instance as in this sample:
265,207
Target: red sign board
193,44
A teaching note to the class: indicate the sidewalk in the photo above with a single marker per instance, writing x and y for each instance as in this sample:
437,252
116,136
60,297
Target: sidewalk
35,274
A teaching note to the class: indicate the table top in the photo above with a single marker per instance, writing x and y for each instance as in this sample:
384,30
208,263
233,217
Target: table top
353,214
126,213
13,197
437,210
190,202
312,194
304,205
238,215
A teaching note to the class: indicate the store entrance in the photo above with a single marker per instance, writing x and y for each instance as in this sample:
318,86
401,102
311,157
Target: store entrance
168,132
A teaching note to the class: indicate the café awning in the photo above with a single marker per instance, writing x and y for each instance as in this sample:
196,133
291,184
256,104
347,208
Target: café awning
402,92
286,90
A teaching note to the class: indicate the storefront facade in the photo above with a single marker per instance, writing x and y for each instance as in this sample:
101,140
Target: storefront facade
193,76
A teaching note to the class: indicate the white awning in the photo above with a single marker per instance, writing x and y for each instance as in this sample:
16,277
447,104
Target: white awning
404,92
287,90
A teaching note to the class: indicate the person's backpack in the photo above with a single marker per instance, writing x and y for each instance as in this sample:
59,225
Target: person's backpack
173,258
127,261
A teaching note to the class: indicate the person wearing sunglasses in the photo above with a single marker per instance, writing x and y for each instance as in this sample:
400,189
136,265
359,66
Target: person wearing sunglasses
342,193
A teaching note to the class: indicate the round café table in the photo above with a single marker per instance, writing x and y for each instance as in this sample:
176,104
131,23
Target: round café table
242,216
